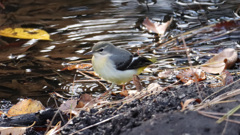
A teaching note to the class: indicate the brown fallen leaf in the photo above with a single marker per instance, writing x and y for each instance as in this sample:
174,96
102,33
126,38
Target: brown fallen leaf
78,66
84,99
124,93
2,6
227,78
165,74
80,104
186,103
226,25
154,88
221,61
157,28
132,92
68,105
189,76
24,107
137,83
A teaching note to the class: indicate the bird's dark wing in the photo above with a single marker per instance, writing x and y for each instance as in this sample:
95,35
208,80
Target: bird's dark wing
122,60
138,62
129,61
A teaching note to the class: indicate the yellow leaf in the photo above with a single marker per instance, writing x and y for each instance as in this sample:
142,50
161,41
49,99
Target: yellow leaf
25,33
25,106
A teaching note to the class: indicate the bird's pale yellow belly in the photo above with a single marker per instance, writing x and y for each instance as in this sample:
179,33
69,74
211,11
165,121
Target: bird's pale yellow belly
107,70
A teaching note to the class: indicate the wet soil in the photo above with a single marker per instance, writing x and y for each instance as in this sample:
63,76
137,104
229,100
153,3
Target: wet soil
159,114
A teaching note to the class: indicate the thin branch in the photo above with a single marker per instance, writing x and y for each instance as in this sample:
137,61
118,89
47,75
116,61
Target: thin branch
215,117
189,61
92,79
220,90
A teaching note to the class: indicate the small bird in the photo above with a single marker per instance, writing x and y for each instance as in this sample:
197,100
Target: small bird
116,65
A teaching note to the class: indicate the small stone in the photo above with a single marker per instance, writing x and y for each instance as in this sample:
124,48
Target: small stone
181,96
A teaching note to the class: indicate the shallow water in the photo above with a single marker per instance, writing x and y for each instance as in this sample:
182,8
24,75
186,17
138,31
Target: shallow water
33,69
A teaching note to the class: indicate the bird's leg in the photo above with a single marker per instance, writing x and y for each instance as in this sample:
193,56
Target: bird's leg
109,90
123,87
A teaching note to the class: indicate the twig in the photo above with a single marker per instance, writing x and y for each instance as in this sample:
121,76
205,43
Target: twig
189,61
219,98
220,114
54,116
220,90
228,32
82,81
225,127
215,117
228,114
92,79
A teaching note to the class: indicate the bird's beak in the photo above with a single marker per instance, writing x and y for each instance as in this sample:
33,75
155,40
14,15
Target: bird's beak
89,53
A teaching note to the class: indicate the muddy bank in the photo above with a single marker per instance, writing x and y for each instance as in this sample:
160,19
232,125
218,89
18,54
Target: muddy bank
159,114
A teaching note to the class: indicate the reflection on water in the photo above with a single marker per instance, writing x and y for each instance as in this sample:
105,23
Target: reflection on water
32,69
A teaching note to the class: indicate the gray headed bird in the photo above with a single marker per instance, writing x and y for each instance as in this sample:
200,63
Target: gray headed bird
116,65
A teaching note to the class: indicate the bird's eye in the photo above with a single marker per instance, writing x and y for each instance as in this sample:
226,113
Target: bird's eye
100,50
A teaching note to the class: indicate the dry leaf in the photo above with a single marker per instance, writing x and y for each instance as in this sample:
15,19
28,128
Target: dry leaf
84,99
217,64
226,25
154,87
78,66
165,74
1,112
2,6
25,33
54,129
157,28
137,83
227,78
132,92
189,76
186,103
124,93
80,104
68,106
25,106
12,130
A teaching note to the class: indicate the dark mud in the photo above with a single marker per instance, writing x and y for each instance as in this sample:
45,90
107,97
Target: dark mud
159,114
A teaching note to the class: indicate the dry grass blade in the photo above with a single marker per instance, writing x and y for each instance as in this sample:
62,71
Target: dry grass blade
186,103
231,112
219,98
92,79
215,117
174,41
189,61
219,114
237,81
